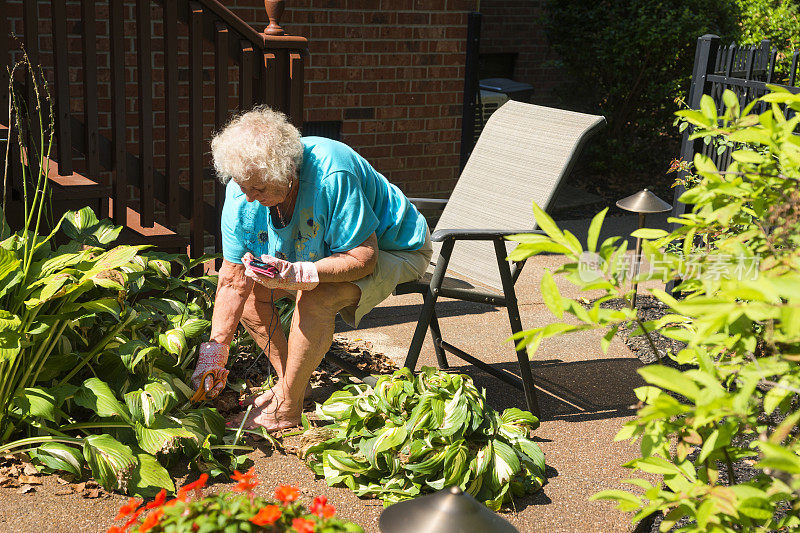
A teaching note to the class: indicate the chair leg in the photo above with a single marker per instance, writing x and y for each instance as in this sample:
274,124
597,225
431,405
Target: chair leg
428,310
516,326
436,334
429,306
524,363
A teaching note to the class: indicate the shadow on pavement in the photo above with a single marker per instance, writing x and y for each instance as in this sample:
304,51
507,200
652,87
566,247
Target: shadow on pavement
571,391
391,315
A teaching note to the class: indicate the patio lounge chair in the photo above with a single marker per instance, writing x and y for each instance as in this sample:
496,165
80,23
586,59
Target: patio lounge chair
523,154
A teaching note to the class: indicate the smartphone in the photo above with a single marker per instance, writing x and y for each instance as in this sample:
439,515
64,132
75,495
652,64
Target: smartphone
262,268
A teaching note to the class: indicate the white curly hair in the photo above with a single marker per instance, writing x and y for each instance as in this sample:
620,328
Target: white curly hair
260,144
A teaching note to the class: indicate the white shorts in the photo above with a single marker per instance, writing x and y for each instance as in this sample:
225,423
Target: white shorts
393,268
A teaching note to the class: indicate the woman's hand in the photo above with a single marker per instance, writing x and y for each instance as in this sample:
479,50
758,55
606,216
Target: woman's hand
300,276
212,356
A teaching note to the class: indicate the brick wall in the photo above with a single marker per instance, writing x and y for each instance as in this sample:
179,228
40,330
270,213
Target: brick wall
512,26
392,71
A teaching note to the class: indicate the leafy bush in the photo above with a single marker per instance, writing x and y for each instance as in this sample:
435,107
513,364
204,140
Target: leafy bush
411,435
231,512
95,343
776,20
628,60
739,401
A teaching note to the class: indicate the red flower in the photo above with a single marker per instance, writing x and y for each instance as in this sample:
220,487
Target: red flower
128,508
151,520
247,482
302,525
114,529
266,515
321,508
161,497
286,493
133,518
195,485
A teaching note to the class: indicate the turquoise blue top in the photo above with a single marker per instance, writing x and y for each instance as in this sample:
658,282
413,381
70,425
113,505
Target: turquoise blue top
342,200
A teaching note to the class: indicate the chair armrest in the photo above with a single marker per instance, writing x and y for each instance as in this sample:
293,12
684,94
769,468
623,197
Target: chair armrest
428,203
477,234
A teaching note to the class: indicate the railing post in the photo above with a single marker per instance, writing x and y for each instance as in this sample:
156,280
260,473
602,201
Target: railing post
704,60
274,12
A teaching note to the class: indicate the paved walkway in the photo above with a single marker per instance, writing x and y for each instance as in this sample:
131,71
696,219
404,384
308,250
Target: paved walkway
585,397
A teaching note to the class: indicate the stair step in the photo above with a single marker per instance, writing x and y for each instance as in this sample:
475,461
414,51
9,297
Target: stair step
160,236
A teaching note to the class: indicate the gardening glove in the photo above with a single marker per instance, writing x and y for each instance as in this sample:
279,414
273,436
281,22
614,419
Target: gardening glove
212,356
300,276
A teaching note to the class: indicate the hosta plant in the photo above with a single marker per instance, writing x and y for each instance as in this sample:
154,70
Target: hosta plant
412,435
96,342
721,438
241,510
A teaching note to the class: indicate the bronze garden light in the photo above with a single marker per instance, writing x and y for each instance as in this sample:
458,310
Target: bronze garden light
449,510
643,202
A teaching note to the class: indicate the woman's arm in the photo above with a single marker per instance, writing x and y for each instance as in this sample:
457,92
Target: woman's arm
233,289
350,265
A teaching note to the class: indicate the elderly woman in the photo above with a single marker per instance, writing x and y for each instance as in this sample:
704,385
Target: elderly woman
338,234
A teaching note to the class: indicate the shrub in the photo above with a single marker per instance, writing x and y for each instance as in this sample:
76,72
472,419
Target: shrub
776,20
628,60
413,435
740,268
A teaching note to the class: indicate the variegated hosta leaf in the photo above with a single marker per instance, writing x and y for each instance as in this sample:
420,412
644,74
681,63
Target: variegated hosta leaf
56,456
515,423
174,341
149,477
112,462
164,436
97,396
142,406
337,407
419,434
194,327
9,320
506,462
34,402
8,262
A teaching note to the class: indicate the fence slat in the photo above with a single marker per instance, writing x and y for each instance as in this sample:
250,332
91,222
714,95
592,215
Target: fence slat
275,80
793,72
118,115
296,72
196,126
171,106
144,60
58,9
246,76
220,116
89,42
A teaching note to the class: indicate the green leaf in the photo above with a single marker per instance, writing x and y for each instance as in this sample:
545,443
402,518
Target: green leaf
627,502
163,436
670,379
389,438
649,233
112,462
550,295
35,402
97,396
708,107
194,327
506,462
594,230
56,456
546,223
149,477
174,341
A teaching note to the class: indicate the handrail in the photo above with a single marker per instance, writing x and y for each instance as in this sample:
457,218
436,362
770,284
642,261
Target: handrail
261,40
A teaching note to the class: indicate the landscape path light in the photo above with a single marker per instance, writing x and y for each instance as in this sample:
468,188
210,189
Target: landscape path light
447,511
644,203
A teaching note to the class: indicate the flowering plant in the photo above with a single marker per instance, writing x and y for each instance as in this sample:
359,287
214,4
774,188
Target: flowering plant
242,511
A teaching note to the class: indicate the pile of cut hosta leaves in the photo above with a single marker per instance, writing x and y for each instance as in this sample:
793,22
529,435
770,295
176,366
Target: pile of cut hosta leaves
412,435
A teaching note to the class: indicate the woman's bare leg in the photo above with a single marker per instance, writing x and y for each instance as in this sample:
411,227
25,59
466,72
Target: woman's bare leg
310,337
